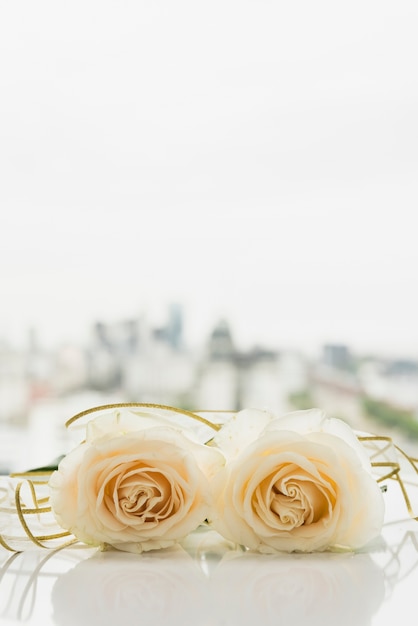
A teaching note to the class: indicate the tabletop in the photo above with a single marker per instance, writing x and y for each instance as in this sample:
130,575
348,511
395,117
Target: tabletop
209,582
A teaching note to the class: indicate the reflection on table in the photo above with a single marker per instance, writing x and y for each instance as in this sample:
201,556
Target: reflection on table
205,581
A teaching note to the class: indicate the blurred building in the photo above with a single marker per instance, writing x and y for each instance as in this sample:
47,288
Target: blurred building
337,356
232,379
146,363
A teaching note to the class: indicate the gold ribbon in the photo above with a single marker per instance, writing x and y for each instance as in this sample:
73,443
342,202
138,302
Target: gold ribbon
391,469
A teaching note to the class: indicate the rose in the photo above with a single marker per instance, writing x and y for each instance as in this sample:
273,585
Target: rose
137,483
301,482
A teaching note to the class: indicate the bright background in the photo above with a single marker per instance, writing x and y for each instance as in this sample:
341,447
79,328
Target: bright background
248,159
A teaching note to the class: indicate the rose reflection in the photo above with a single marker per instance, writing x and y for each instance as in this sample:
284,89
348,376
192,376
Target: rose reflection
319,590
120,588
170,588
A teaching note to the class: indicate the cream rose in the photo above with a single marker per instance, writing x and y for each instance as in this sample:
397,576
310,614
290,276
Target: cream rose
137,483
301,482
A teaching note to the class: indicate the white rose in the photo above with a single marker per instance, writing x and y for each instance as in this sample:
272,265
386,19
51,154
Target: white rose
132,486
297,483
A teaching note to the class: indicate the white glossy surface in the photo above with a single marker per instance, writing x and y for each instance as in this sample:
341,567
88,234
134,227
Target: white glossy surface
208,582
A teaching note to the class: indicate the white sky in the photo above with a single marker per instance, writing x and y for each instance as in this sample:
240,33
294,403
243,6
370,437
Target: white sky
251,159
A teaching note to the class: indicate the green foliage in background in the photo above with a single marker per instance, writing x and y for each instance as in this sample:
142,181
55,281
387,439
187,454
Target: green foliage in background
392,417
301,400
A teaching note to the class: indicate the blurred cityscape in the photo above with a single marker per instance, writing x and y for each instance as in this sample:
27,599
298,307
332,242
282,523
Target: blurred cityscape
135,361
